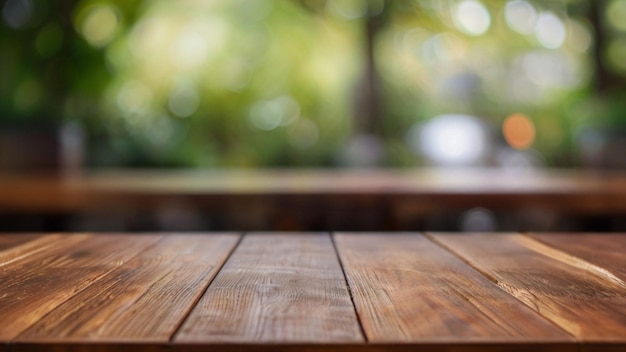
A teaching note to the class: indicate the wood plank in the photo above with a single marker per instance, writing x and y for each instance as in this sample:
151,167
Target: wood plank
582,300
276,288
287,347
8,241
409,290
36,285
602,252
145,299
93,346
16,248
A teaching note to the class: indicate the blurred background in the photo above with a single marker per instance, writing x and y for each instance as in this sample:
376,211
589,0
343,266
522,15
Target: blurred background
519,84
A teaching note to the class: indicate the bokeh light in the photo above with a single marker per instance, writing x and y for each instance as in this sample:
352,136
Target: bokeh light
451,140
28,95
270,114
616,13
183,100
99,24
549,69
289,82
49,40
518,131
18,13
550,30
195,42
616,54
134,98
441,48
520,16
580,37
472,17
266,115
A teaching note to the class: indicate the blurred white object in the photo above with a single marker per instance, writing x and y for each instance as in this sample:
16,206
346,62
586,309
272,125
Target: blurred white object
451,140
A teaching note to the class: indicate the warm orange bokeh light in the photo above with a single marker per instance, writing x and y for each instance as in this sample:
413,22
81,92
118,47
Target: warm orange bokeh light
518,131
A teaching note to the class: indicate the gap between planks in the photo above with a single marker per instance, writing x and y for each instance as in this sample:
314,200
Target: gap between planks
11,347
104,273
549,250
277,287
195,303
495,281
557,259
348,287
60,311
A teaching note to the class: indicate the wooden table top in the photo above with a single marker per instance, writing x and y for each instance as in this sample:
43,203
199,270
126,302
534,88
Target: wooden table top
313,292
598,193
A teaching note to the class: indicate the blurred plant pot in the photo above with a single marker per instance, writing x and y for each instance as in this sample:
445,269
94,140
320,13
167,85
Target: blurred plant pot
41,147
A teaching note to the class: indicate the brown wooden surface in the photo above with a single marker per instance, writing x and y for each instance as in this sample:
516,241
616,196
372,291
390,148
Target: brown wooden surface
295,347
15,247
146,299
605,252
276,289
418,190
582,298
407,289
8,241
301,292
37,284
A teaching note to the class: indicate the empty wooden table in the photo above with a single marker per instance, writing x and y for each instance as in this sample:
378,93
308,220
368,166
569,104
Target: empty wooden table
313,292
401,199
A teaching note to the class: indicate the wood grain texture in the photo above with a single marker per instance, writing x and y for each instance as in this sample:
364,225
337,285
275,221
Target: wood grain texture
580,298
37,284
17,248
291,347
408,290
93,346
276,288
606,252
144,299
11,240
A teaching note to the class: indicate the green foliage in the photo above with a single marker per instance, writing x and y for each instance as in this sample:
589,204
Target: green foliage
272,83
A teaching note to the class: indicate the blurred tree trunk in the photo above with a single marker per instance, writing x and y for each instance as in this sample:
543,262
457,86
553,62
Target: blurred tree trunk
368,101
58,78
602,77
605,81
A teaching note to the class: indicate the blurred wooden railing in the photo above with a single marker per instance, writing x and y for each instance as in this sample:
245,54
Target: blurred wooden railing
318,199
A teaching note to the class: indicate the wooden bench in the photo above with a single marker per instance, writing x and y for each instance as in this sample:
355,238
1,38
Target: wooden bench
313,292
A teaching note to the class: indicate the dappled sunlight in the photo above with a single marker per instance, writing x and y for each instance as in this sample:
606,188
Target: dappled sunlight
550,31
98,24
333,83
520,16
472,17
